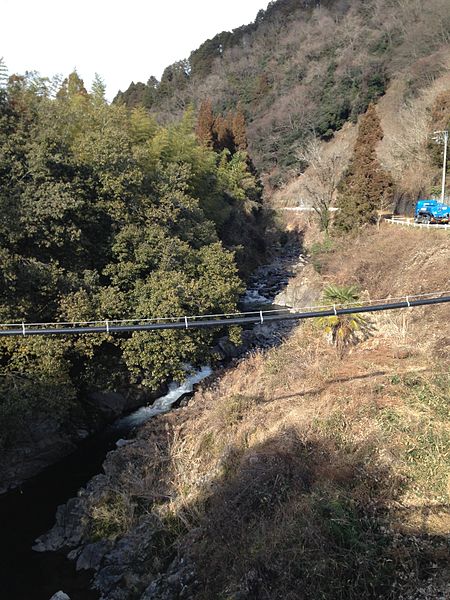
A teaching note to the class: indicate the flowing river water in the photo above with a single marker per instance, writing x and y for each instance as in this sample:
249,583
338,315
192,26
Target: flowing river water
29,511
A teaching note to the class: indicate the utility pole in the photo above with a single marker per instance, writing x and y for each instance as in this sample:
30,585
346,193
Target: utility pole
442,137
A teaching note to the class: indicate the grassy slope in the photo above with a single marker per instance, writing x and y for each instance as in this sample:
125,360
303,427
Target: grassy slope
300,475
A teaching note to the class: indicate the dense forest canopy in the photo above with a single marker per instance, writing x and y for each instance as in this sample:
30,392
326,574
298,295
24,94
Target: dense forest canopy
106,215
302,69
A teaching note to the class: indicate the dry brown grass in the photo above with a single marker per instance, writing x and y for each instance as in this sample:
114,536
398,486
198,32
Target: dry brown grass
393,261
297,466
300,475
290,441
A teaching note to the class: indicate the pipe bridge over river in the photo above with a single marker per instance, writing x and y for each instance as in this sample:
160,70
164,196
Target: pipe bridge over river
110,327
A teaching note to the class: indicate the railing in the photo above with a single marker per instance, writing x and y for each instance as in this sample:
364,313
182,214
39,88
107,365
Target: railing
409,222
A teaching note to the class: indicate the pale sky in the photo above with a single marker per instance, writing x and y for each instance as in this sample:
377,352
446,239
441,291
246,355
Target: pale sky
122,41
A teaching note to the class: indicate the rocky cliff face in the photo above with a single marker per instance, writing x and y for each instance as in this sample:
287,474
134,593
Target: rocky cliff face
49,439
120,567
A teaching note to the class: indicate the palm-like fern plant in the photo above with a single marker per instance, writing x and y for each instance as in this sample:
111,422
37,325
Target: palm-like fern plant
344,330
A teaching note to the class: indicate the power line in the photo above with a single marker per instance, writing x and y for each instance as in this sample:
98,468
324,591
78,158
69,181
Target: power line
206,321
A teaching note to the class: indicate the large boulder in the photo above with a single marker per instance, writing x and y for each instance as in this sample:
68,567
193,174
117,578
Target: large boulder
46,444
303,290
109,404
68,530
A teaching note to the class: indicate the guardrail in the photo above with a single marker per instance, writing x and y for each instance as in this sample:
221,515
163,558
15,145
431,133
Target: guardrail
303,208
409,222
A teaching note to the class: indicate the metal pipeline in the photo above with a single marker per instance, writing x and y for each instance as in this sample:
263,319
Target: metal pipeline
186,324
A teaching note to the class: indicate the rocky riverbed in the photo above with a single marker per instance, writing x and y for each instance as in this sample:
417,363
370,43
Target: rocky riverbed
49,439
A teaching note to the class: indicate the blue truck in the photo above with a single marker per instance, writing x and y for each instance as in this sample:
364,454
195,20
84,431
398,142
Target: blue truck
431,211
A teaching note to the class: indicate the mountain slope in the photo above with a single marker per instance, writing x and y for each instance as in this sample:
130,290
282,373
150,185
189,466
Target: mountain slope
304,67
406,150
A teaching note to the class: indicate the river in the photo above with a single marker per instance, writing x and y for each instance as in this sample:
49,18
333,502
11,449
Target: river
28,512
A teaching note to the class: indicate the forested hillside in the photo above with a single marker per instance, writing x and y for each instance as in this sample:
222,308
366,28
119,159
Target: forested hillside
107,215
302,69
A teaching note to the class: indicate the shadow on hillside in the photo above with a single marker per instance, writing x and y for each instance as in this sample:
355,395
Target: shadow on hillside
301,520
286,250
319,390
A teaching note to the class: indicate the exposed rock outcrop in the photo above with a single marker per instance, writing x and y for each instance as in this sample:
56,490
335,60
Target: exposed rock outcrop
302,290
60,596
48,441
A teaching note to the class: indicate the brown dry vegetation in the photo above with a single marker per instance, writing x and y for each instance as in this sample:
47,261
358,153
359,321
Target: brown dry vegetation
306,68
298,475
407,121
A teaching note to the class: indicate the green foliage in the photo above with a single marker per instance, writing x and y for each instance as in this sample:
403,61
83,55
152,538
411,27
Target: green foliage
235,408
34,380
318,250
367,189
420,436
98,89
235,178
174,78
110,516
133,96
344,330
106,214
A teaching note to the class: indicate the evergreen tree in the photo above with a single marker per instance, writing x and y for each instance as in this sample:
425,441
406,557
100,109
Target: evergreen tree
174,78
98,89
133,96
150,93
72,86
367,187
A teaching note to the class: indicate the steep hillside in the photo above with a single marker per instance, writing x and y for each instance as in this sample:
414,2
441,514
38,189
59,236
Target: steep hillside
406,149
298,474
304,67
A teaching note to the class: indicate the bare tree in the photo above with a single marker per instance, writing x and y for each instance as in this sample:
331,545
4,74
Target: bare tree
322,179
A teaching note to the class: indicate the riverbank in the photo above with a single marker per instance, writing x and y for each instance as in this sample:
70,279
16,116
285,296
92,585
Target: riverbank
296,470
47,572
46,438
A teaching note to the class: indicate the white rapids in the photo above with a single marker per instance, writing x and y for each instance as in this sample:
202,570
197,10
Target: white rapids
164,404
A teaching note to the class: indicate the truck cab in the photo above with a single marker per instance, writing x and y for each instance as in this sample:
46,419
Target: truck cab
431,211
